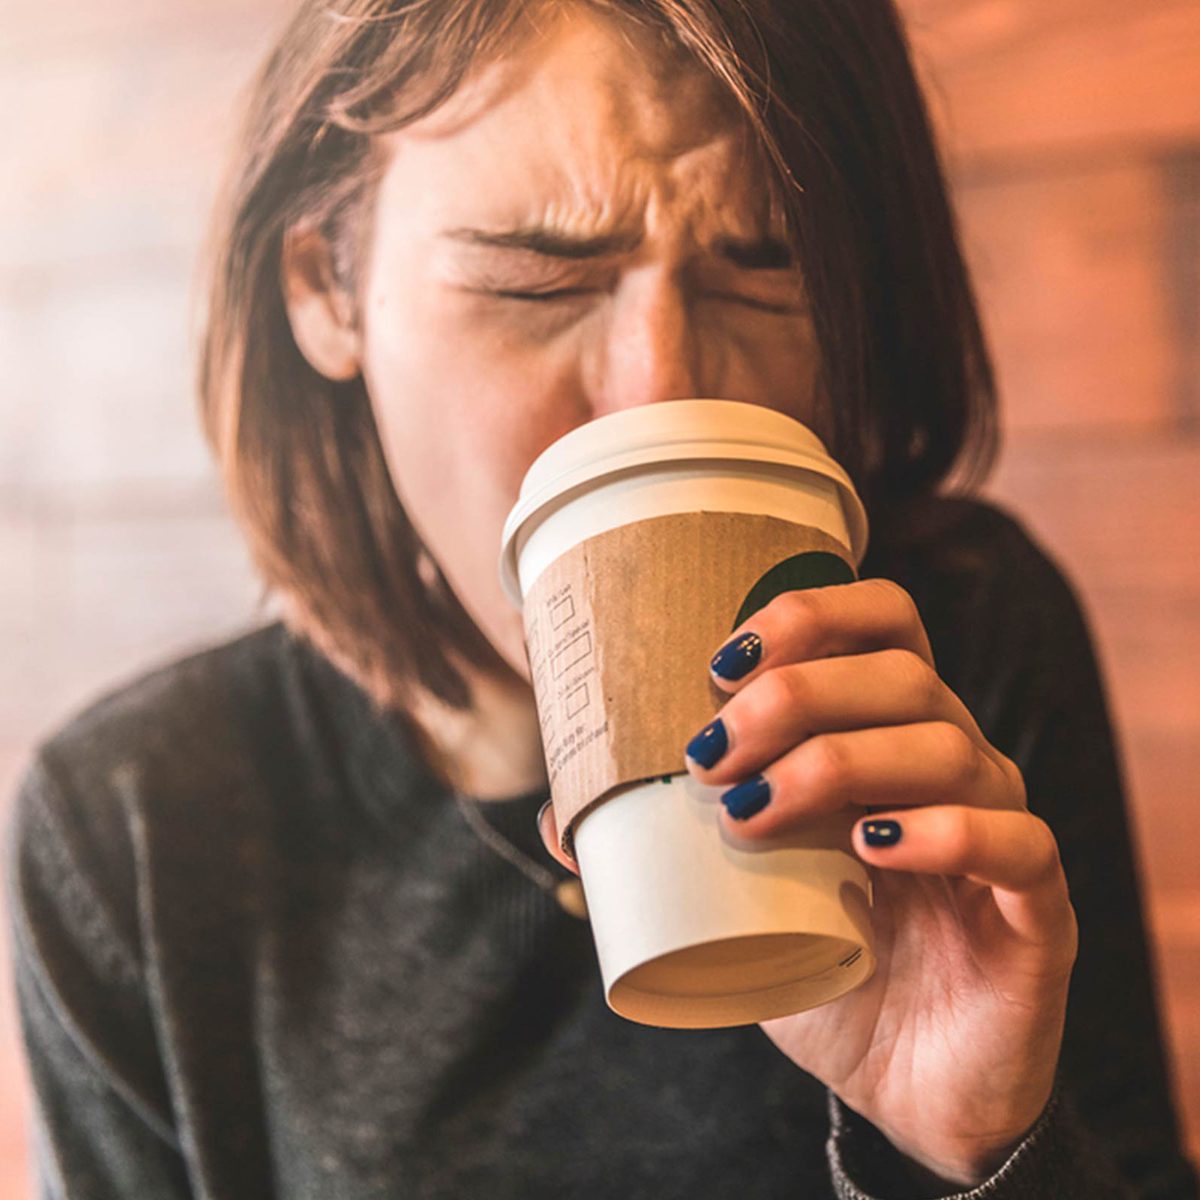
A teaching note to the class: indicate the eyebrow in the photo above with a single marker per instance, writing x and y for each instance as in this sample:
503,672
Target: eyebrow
765,253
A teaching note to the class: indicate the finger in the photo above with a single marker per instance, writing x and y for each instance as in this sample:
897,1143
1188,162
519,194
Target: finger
548,828
933,762
1013,853
781,708
850,618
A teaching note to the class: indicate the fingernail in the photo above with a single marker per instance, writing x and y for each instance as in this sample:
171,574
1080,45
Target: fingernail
737,658
748,798
708,746
881,833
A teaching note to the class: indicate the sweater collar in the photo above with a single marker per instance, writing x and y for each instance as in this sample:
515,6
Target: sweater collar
368,756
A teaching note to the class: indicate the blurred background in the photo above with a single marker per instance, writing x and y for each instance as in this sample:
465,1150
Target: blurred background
1072,131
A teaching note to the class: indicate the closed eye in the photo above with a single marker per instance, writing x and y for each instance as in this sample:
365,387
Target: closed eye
758,305
559,294
542,297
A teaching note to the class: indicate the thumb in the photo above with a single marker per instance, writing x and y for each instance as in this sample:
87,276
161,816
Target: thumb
548,828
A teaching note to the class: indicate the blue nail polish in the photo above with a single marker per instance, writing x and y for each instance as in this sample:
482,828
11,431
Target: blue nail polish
881,833
708,746
737,658
748,798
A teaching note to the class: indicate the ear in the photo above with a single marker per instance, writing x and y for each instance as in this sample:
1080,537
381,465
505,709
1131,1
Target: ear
320,310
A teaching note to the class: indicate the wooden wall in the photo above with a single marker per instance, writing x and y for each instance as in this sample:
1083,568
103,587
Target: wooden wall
1073,133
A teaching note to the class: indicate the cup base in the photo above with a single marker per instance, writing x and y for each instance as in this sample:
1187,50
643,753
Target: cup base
695,929
676,990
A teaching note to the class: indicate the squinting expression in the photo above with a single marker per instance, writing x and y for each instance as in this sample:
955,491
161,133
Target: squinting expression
580,229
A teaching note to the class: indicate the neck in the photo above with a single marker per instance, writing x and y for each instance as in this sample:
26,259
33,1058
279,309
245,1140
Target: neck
491,751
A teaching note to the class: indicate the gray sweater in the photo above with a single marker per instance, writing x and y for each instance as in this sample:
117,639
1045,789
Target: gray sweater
260,953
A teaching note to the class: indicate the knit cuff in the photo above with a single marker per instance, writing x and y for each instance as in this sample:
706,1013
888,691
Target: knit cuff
866,1166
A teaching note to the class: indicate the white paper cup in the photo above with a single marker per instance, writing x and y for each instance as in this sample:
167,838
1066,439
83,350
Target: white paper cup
693,927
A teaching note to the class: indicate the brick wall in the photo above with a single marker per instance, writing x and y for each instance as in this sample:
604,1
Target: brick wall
1073,131
117,550
1073,134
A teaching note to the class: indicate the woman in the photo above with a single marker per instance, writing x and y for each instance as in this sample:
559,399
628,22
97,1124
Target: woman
282,922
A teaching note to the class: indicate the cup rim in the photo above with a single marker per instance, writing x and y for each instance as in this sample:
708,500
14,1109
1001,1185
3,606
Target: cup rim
803,450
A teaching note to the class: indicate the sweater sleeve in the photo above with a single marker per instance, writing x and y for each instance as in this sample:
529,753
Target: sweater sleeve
1056,1160
1032,681
102,1121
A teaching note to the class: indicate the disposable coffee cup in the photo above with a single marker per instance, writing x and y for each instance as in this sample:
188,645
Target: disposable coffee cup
638,543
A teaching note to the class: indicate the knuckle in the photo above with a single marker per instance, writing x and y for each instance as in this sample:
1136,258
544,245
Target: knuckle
919,679
956,751
760,704
795,690
829,766
802,610
1045,857
779,691
898,599
1012,777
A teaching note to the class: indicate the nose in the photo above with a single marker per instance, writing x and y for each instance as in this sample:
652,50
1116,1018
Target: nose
650,348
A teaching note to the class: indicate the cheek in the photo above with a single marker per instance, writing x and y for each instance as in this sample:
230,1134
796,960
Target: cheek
462,410
439,361
785,365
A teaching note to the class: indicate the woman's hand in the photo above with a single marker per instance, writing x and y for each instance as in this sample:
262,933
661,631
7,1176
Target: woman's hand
950,1049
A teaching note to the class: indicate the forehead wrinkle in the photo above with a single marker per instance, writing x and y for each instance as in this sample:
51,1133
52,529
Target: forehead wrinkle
605,182
681,207
586,197
705,192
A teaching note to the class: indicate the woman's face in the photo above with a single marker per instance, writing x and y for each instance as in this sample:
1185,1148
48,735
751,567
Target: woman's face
581,229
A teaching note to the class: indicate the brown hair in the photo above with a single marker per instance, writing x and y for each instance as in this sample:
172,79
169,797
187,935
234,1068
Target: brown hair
829,90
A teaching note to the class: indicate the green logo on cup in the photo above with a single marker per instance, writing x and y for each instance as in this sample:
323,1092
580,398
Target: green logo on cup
814,568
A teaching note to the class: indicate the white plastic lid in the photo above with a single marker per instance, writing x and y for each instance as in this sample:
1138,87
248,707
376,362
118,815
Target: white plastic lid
673,431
